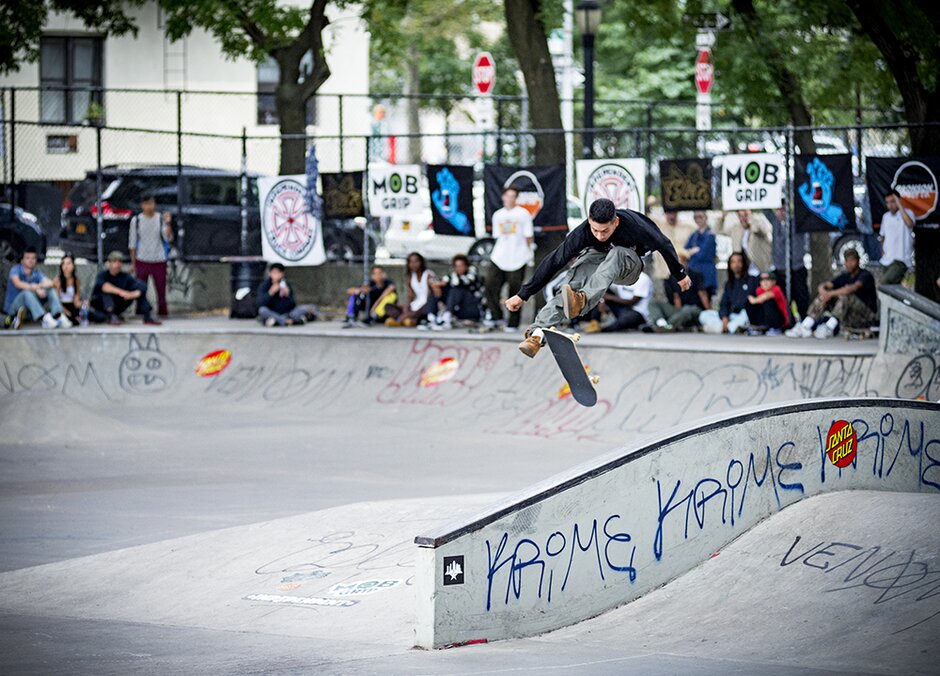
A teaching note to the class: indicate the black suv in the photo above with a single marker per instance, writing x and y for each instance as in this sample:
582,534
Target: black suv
18,230
211,200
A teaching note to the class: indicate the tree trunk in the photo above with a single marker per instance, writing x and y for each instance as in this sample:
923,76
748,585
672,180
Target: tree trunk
292,95
921,99
791,93
530,45
291,110
413,88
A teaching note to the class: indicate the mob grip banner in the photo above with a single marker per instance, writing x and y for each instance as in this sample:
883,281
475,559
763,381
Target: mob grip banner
451,189
394,189
752,181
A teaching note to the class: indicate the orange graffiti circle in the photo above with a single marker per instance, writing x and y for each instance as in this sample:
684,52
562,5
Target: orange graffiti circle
440,372
841,443
213,363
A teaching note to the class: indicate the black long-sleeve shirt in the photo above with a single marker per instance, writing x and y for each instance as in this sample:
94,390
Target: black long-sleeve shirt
734,297
635,231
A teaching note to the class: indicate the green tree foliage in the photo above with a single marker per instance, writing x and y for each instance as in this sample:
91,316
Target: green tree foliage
23,21
262,29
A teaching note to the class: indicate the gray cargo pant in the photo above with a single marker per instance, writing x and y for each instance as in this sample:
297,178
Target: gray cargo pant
593,272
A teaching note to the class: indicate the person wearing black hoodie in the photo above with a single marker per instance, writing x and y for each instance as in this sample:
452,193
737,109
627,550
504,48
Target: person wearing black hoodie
276,304
731,316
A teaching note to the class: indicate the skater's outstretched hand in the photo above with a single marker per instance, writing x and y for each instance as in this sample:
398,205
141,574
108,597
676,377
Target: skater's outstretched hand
685,283
514,304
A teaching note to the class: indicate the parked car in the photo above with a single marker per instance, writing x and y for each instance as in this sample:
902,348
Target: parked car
211,201
405,235
19,229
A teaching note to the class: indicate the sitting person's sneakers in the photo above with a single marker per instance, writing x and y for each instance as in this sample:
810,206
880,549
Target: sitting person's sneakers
572,301
774,332
827,329
49,322
593,326
802,330
150,321
755,331
409,322
392,322
19,319
64,322
115,320
531,345
270,322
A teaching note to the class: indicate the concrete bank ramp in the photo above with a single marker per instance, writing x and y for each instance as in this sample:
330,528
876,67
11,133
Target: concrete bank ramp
613,529
342,578
477,383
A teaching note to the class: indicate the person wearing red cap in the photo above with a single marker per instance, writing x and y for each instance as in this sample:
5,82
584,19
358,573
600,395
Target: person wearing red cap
768,311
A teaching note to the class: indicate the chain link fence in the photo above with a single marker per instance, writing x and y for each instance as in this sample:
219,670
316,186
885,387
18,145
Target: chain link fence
41,161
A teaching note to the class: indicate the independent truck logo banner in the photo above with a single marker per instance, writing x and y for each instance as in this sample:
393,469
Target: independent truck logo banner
290,234
622,181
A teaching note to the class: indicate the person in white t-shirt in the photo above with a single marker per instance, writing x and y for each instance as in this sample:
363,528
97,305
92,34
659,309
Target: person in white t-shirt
513,231
628,303
897,239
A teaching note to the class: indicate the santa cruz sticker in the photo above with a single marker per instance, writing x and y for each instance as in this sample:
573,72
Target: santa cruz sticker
289,228
213,363
841,443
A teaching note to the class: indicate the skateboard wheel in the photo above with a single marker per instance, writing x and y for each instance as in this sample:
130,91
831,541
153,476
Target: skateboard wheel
576,337
595,379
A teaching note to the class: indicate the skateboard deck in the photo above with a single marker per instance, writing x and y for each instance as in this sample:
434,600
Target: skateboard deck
572,368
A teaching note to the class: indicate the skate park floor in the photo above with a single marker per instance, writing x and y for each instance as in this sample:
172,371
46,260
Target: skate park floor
102,511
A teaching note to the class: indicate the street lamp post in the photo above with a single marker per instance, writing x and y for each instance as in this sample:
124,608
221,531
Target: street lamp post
588,15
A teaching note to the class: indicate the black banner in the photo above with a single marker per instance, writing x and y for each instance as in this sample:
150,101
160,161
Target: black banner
451,189
686,184
541,191
342,195
915,178
824,198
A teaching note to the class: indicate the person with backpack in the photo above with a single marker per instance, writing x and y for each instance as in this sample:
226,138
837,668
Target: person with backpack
149,243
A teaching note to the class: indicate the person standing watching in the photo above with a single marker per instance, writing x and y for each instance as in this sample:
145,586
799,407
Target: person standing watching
897,239
149,239
512,252
799,277
702,247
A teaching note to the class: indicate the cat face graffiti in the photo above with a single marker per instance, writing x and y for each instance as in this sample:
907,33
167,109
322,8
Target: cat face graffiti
145,369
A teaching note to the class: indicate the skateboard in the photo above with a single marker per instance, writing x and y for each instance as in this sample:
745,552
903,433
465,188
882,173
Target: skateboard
864,333
572,368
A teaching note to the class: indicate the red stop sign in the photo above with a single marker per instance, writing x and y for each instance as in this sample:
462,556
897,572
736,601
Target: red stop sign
484,72
704,71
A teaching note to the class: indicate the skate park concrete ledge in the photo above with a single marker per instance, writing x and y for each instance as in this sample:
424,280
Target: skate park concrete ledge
622,525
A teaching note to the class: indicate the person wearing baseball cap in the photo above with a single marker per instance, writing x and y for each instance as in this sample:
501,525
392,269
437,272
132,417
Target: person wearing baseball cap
768,310
114,292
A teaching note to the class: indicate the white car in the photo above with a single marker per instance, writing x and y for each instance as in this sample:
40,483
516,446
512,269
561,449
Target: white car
417,234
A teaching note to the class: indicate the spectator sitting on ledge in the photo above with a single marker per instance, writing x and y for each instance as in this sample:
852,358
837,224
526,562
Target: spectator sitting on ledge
768,309
461,292
114,292
848,300
276,304
29,291
371,299
732,315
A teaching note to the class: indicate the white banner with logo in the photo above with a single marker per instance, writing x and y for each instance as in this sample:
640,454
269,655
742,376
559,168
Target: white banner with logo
395,189
621,181
289,234
752,181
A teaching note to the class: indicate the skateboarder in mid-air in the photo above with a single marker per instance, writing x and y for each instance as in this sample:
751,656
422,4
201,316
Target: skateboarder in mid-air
607,248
